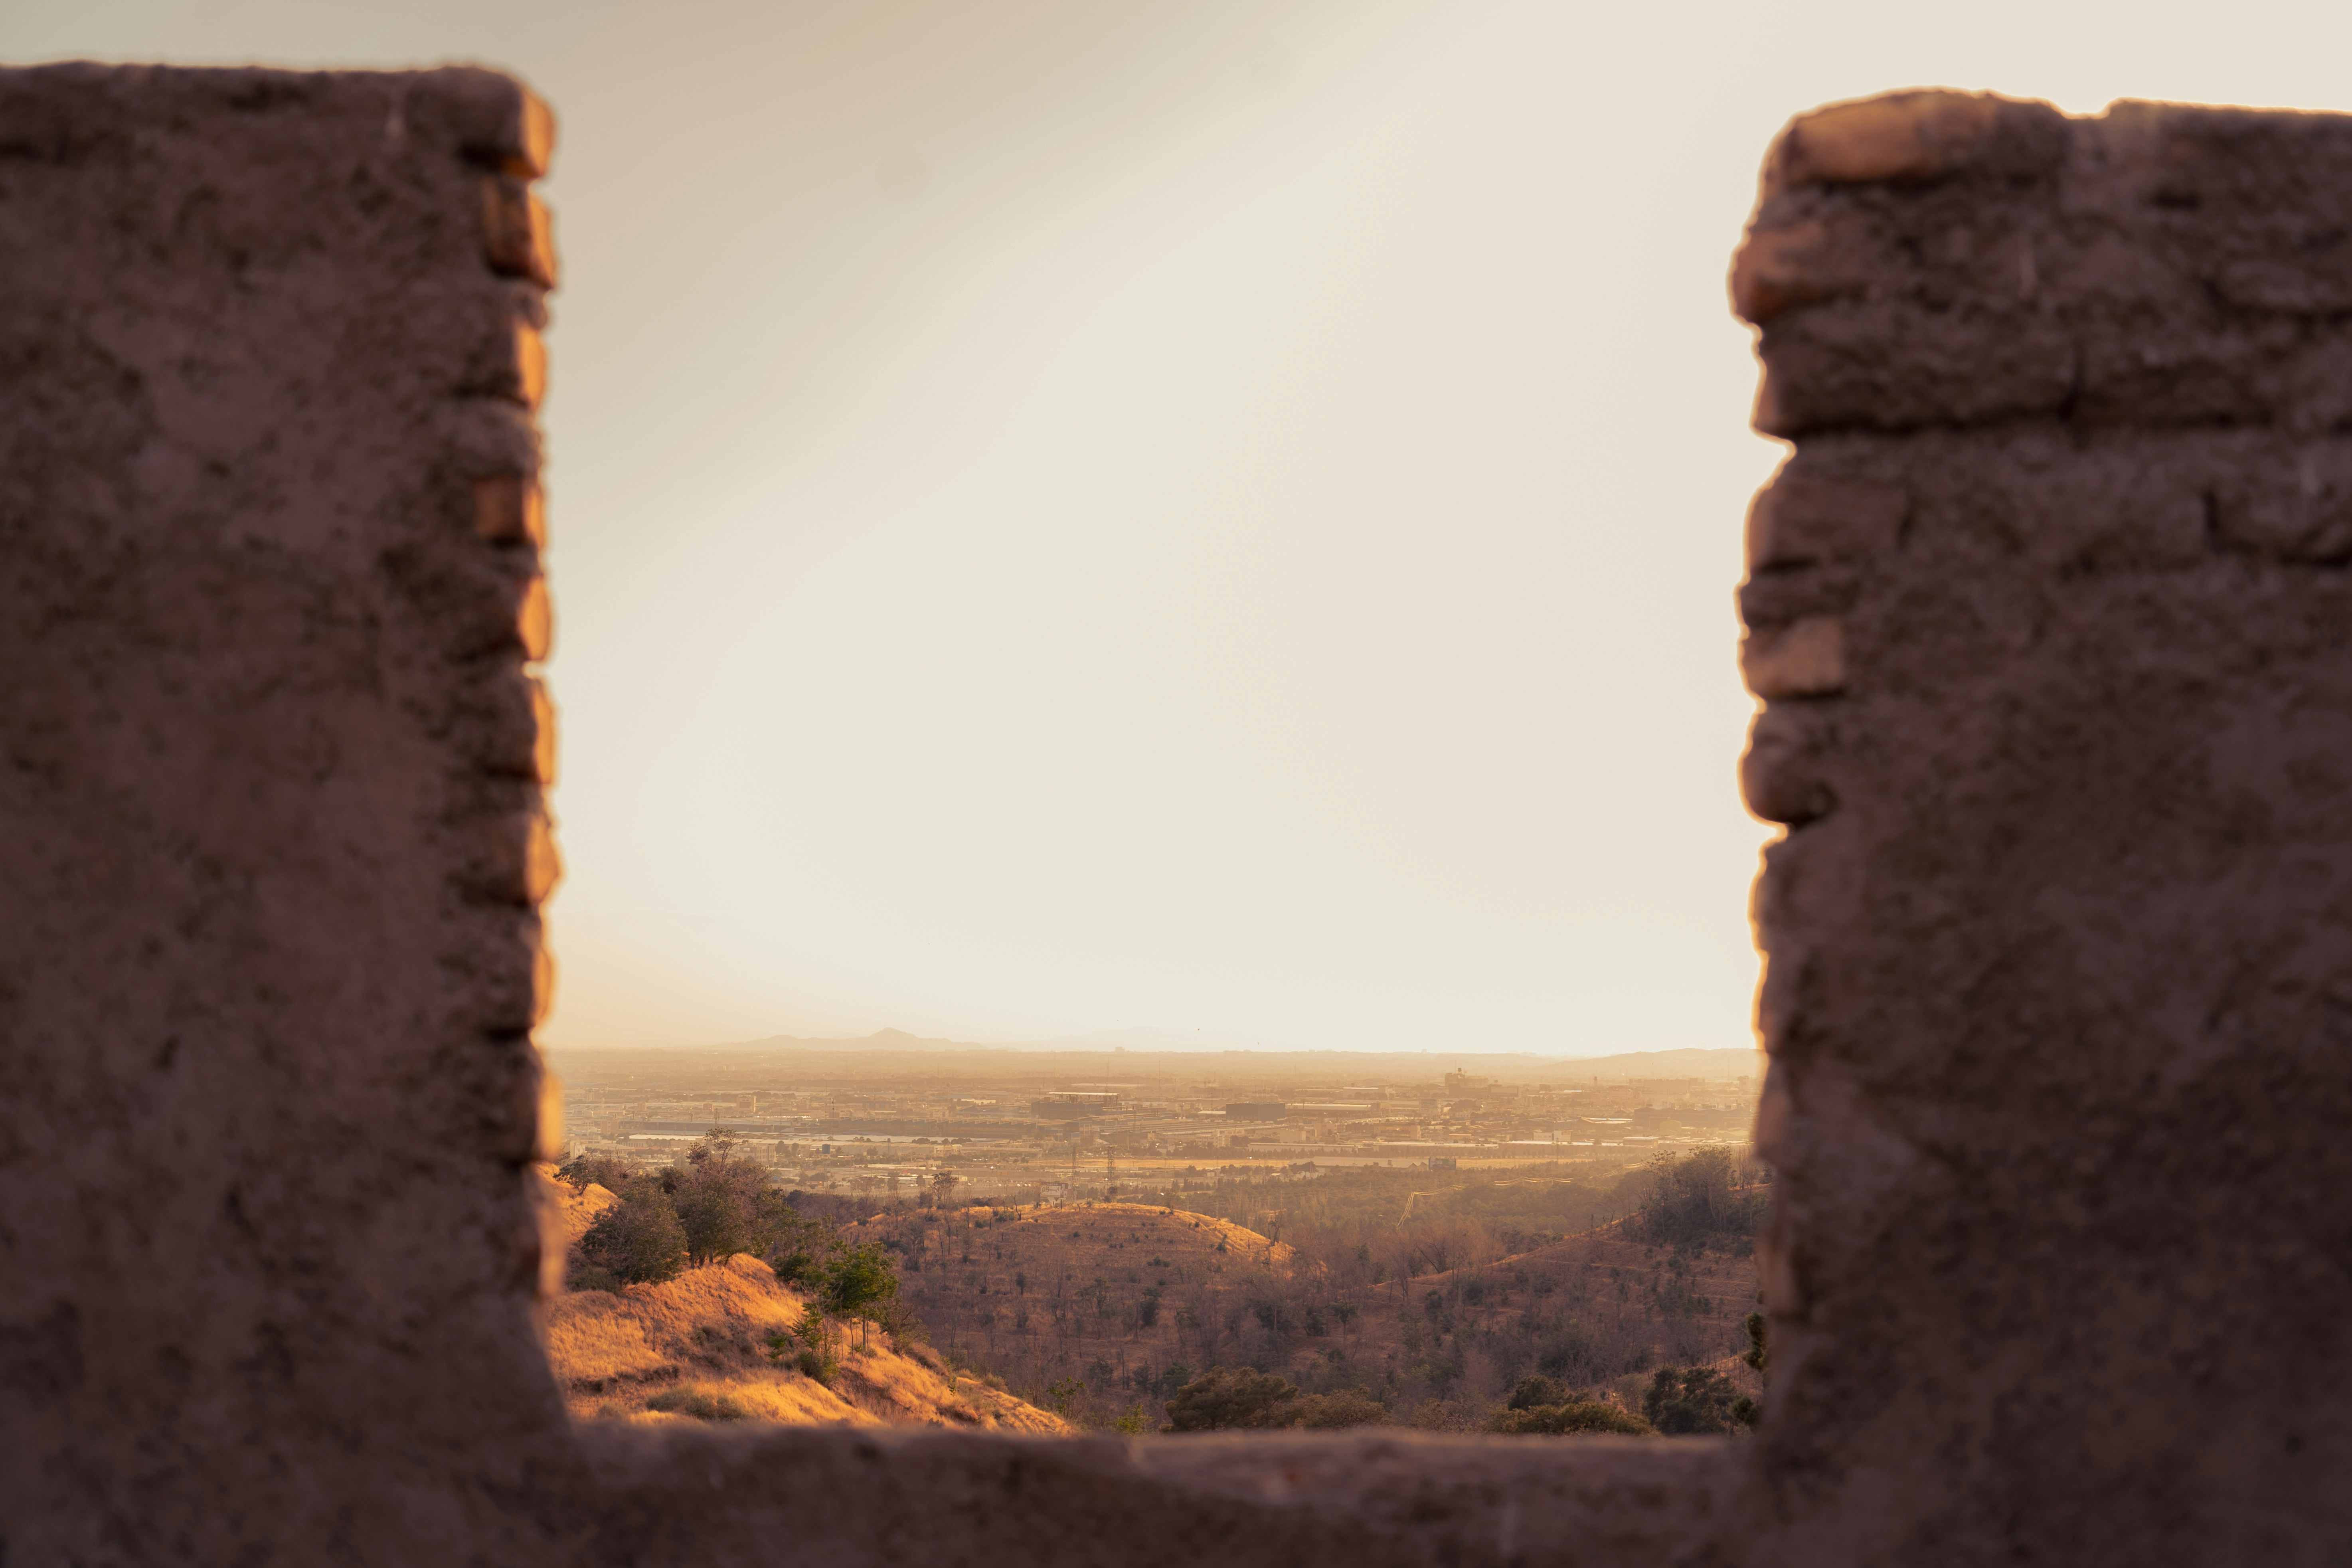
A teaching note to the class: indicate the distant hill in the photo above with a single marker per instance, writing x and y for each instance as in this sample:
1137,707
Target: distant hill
1042,1293
1132,1300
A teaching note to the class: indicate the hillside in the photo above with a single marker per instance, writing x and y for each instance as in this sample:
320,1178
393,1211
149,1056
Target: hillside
695,1347
1132,1300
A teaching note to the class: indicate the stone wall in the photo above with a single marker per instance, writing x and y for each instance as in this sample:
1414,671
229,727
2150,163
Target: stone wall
2051,610
2046,609
268,956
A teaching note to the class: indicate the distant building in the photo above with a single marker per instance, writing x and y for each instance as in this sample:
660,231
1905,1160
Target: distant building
1070,1104
1257,1110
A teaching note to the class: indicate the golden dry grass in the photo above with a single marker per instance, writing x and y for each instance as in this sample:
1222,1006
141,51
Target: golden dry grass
579,1209
706,1332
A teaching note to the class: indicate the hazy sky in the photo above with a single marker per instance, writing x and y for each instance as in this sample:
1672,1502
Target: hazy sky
1218,515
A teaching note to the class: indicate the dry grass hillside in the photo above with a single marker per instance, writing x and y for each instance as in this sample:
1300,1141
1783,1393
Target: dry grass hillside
696,1348
1130,1299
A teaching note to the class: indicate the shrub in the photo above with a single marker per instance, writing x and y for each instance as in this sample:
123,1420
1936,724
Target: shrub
585,1276
1220,1398
1325,1412
726,1205
1573,1416
806,1348
1535,1393
1242,1397
1691,1399
639,1240
700,1403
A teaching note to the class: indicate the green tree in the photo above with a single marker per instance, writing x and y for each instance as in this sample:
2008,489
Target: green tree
1691,1399
725,1201
1541,1405
858,1282
1535,1393
638,1241
800,1250
807,1346
601,1170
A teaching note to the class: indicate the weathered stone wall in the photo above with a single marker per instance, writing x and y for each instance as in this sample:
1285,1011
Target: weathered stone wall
272,842
2052,608
2046,608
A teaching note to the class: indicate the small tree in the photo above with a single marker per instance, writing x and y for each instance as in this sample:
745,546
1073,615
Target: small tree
724,1200
807,1347
1758,1354
606,1171
638,1241
858,1281
1695,1199
800,1250
1691,1399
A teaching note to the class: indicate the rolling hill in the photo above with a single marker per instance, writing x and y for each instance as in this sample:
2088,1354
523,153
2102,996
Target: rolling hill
1131,1300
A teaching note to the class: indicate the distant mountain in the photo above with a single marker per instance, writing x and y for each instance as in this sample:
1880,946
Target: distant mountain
899,1040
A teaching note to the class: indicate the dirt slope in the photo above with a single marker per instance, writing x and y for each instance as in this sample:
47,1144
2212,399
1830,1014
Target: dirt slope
698,1342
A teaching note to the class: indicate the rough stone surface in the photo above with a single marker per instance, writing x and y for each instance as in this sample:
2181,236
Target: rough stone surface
2047,608
268,964
2059,997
